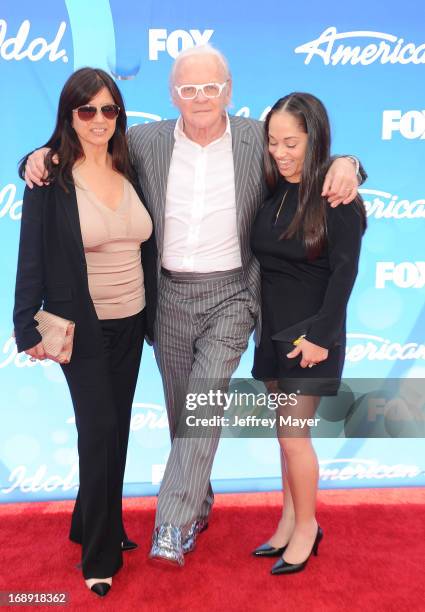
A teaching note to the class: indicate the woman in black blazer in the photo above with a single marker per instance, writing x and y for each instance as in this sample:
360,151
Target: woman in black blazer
90,272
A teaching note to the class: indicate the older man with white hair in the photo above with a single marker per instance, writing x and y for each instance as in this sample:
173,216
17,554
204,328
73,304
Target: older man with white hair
203,183
202,179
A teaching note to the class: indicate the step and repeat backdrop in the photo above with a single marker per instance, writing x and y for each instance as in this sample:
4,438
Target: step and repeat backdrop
366,61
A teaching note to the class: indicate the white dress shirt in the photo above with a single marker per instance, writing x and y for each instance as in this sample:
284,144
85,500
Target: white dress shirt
200,233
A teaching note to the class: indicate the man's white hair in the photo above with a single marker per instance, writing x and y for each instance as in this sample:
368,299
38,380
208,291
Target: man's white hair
206,49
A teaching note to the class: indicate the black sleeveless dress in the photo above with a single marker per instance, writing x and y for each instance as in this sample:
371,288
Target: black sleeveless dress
294,288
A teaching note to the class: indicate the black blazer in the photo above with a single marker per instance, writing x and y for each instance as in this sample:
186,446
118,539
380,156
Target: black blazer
52,270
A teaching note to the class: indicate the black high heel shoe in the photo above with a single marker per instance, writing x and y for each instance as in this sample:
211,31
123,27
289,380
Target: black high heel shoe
127,545
265,550
283,567
101,588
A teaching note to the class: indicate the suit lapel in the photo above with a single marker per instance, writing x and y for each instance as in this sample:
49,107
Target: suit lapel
243,147
68,203
162,150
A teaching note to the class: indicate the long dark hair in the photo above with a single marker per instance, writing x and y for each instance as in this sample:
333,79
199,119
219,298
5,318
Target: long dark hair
310,218
78,90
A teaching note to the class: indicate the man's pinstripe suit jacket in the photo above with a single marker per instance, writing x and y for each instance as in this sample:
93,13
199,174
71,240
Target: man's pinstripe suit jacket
151,148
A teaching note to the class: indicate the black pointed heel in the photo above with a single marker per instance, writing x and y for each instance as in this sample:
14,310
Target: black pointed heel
265,550
101,588
127,545
283,567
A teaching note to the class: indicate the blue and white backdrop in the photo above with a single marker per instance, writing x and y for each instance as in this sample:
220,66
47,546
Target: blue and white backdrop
366,61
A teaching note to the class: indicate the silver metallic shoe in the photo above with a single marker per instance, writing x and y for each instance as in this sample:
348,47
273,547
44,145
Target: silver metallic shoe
195,528
167,544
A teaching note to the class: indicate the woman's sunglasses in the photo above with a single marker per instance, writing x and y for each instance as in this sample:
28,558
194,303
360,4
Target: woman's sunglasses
88,112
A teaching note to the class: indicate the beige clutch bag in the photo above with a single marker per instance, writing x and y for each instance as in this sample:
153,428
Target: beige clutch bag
57,335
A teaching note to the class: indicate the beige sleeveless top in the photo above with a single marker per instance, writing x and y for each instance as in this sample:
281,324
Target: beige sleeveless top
111,240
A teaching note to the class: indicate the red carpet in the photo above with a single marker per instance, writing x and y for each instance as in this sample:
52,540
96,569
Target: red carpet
372,557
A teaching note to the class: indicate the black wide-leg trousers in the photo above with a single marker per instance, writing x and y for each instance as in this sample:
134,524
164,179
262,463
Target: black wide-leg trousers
102,390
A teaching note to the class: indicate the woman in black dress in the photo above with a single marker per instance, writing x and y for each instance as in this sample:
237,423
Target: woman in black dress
308,253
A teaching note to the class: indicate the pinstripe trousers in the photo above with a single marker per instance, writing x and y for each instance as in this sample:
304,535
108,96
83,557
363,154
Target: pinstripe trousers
202,329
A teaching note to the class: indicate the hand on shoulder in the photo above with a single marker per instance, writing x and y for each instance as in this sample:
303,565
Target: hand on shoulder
35,168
